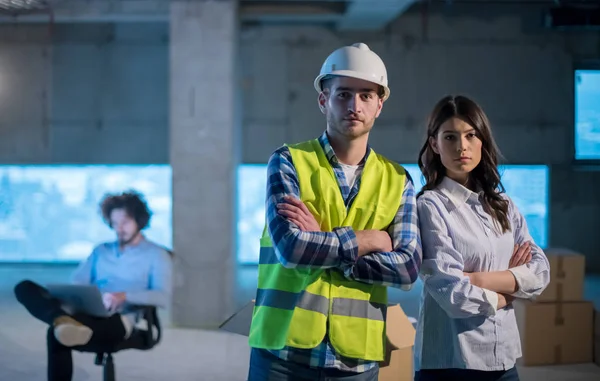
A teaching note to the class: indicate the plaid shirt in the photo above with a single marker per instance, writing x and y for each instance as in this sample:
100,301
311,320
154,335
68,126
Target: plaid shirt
339,249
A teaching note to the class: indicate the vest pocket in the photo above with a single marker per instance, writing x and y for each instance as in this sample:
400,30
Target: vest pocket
357,319
309,321
357,338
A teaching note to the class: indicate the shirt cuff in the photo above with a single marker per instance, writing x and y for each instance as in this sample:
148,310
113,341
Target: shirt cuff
348,246
492,298
525,279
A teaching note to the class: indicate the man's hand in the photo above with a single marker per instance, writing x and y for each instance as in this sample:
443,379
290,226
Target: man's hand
113,300
295,211
521,255
370,241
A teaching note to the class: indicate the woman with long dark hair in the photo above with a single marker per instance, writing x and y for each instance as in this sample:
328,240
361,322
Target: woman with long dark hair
478,255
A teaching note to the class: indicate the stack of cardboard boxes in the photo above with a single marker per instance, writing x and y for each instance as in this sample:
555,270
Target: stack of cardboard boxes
557,327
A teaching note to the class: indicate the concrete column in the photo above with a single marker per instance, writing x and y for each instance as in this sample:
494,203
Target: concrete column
203,154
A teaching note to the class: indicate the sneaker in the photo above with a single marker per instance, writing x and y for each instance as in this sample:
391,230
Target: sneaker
70,333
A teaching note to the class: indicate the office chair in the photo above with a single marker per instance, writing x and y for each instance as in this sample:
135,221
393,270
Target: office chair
139,339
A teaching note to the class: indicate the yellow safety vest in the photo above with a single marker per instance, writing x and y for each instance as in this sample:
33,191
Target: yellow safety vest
294,305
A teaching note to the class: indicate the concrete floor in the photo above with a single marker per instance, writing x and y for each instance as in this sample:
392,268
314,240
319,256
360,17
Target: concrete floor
184,354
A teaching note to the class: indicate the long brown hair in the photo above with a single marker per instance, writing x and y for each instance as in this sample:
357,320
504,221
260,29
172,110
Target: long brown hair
485,175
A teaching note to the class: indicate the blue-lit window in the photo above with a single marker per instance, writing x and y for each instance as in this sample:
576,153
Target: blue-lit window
252,185
527,185
50,213
587,114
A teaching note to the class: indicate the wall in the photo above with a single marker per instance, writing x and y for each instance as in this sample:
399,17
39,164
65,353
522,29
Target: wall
524,81
98,93
84,93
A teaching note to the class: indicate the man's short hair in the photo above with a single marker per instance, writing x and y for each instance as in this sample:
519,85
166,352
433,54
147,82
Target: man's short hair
131,202
326,84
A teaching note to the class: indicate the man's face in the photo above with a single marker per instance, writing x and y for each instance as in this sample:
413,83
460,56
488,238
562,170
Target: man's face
125,226
351,106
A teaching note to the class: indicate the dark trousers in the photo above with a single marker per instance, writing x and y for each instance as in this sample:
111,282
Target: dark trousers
107,332
466,375
266,367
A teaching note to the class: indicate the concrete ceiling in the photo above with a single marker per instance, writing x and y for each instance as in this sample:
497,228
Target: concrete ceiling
22,6
345,14
372,14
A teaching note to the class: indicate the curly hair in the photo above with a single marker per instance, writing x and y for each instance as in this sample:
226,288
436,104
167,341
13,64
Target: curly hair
132,202
485,176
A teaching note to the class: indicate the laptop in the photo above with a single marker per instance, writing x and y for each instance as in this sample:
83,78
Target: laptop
77,298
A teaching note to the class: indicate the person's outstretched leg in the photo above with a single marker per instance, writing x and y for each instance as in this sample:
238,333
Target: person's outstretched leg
66,332
38,301
41,305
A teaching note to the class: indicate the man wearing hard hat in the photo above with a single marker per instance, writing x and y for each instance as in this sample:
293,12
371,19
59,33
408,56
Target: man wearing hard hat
341,227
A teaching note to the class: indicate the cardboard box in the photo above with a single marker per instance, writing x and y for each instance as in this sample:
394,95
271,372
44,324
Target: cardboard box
555,333
240,321
567,271
398,364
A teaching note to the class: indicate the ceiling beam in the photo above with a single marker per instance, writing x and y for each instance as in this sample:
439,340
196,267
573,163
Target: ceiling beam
292,11
74,11
372,14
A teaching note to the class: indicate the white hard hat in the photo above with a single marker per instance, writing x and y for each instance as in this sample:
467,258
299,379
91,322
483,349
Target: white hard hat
356,61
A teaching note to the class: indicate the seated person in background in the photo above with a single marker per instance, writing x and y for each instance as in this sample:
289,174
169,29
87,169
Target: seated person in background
129,272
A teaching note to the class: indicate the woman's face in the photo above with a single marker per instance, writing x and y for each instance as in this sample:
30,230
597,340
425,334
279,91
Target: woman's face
459,147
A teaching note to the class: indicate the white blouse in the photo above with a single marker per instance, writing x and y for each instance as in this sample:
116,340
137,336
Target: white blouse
459,325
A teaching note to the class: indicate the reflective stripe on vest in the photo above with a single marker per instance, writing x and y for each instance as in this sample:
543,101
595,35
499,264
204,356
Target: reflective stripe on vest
297,306
358,308
288,301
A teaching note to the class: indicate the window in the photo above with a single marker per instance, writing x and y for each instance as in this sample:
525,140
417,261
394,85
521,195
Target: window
251,185
527,185
587,114
50,213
